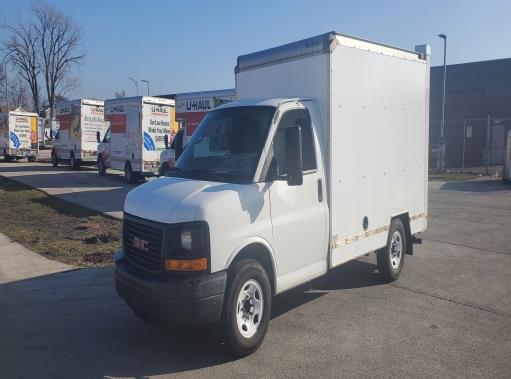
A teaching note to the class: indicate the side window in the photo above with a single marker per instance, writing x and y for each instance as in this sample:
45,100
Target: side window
298,117
107,136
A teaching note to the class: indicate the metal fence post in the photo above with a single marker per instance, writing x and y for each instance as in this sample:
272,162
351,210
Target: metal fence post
464,141
488,145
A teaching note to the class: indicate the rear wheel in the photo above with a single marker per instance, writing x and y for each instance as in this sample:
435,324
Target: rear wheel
129,175
54,160
101,166
7,157
391,258
31,159
73,162
164,169
247,307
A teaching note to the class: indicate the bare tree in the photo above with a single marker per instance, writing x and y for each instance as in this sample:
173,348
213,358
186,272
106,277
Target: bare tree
120,94
3,78
18,93
21,51
59,41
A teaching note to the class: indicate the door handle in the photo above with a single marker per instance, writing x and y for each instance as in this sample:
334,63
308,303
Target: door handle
320,190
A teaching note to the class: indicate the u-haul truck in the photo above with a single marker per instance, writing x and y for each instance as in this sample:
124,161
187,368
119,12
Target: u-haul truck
138,126
80,120
191,107
18,135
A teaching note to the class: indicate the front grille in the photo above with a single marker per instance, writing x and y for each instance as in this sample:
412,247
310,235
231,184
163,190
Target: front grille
143,242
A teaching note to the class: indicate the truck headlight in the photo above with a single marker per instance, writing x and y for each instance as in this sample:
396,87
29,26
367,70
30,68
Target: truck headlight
187,247
186,239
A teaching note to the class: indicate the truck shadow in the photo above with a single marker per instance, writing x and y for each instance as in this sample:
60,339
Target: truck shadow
76,326
482,185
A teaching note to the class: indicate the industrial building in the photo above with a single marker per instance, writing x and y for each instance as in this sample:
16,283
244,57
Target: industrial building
477,113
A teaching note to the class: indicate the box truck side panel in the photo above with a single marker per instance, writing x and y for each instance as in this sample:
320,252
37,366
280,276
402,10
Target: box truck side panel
156,123
20,131
133,143
92,121
378,141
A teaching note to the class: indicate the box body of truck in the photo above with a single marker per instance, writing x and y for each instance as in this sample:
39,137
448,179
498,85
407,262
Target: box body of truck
18,134
79,122
322,159
373,104
138,126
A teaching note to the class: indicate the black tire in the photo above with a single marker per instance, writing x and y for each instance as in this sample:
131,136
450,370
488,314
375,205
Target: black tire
54,160
101,166
74,163
240,274
164,169
7,157
391,258
31,159
129,175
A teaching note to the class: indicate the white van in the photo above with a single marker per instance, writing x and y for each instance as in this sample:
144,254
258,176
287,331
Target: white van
136,137
18,135
326,162
75,142
506,171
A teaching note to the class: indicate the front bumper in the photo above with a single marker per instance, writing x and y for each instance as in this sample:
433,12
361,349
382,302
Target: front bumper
191,300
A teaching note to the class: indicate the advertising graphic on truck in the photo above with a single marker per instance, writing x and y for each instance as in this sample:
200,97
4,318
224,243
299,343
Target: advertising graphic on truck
18,135
138,126
323,162
79,122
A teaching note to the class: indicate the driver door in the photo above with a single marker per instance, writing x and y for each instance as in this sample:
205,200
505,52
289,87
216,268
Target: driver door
298,213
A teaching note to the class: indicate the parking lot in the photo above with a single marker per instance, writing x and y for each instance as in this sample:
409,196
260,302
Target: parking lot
448,315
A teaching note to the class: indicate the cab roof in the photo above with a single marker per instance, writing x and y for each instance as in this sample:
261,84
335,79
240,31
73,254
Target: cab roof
275,102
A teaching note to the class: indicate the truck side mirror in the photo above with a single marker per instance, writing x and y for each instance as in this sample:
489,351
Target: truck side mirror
178,143
166,140
98,136
293,138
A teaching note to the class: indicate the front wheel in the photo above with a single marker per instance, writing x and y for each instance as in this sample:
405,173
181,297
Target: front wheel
73,162
54,160
247,307
101,166
391,258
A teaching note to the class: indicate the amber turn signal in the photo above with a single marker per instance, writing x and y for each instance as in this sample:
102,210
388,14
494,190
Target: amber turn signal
198,264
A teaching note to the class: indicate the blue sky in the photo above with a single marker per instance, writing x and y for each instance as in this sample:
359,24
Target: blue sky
182,46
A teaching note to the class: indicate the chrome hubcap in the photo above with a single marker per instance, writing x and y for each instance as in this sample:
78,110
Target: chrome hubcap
249,308
396,250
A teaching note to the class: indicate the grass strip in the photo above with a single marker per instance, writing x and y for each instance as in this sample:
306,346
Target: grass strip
57,229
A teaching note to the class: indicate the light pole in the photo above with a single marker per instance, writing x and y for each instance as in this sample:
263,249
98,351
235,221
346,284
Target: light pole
135,83
441,142
146,82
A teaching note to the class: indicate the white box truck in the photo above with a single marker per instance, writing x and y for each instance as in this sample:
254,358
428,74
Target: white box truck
506,171
18,135
325,161
136,137
79,122
191,107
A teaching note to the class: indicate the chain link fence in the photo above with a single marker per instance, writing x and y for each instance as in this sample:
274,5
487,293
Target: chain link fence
472,144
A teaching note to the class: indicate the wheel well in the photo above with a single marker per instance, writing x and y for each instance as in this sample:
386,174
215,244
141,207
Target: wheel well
405,220
261,254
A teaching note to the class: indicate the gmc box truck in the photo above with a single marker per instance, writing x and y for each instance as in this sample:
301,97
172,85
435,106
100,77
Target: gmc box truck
323,162
75,142
138,126
191,107
18,135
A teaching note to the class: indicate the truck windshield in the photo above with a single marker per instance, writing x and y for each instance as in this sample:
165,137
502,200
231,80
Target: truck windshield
226,146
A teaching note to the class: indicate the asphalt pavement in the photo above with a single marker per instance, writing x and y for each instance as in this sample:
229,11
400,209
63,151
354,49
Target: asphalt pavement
449,315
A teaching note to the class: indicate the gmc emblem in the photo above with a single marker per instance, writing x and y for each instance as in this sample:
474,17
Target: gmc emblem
140,244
